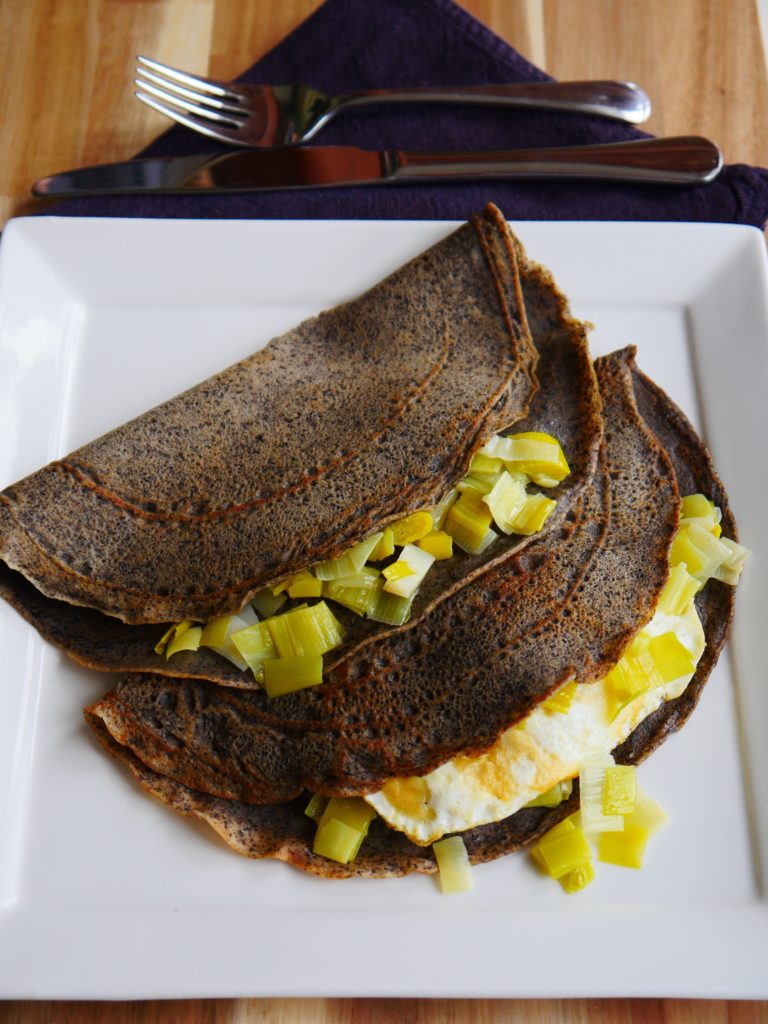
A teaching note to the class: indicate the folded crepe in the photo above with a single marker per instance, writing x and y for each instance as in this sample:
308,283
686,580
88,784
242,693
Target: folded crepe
566,606
188,510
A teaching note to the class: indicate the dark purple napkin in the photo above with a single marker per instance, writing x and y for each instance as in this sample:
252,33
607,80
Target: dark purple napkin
359,44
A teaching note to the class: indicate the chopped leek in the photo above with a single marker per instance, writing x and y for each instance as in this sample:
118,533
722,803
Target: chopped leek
385,547
453,865
255,644
468,522
285,675
266,603
537,455
730,570
560,702
390,609
361,600
351,562
440,511
337,841
534,513
305,585
367,579
680,590
316,807
579,878
627,848
619,789
308,630
506,499
438,543
170,634
554,796
562,850
417,561
671,658
342,828
591,788
485,464
412,528
699,549
188,640
211,637
397,571
216,631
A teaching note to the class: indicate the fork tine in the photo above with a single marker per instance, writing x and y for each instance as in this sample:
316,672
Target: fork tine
194,108
209,85
195,123
179,90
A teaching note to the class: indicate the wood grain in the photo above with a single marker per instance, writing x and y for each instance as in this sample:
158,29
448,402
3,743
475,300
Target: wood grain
66,100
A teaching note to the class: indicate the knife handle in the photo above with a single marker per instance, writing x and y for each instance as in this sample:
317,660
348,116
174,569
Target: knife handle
681,160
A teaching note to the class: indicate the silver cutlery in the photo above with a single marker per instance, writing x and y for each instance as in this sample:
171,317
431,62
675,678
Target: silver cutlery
263,115
686,160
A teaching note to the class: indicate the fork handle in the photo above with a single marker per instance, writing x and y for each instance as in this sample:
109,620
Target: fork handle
622,100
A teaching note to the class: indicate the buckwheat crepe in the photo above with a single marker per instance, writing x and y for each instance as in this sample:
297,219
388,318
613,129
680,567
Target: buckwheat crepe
477,281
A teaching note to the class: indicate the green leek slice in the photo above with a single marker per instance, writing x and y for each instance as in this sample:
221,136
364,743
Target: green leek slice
453,864
360,600
620,789
562,850
468,522
266,603
305,585
680,590
342,828
418,562
671,659
351,562
411,528
385,547
627,848
225,647
438,543
316,807
390,609
305,631
255,644
554,796
534,513
188,640
440,511
730,569
506,500
485,464
561,701
579,878
537,455
591,788
702,552
286,675
171,633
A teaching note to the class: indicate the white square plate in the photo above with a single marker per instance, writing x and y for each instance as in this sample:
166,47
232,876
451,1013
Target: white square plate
106,893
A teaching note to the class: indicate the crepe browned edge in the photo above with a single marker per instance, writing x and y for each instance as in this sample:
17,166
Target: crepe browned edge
284,832
567,406
291,455
563,608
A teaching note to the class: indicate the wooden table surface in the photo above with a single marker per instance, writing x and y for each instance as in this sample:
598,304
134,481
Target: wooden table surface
66,100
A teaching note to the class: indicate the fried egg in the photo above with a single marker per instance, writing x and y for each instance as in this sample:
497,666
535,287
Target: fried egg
531,757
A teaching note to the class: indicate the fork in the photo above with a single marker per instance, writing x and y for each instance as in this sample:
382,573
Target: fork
264,115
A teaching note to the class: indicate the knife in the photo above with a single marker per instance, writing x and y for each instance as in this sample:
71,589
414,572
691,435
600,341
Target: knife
684,160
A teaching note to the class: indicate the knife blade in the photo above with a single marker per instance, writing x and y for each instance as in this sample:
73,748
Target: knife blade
682,160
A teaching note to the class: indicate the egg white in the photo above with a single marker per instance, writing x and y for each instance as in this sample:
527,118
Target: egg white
526,762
